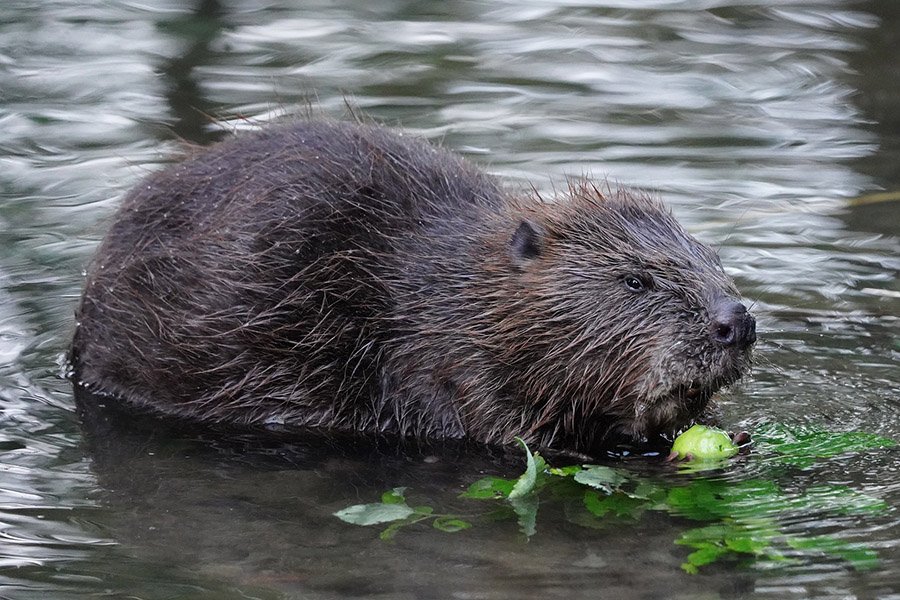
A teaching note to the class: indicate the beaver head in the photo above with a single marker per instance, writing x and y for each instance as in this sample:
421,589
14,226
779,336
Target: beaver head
610,320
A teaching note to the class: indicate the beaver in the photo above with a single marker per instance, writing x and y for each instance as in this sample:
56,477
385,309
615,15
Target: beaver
344,276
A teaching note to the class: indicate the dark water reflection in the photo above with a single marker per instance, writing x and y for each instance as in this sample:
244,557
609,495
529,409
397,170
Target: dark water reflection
768,126
182,501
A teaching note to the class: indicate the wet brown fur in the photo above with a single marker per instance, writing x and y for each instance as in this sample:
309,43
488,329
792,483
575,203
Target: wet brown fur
343,276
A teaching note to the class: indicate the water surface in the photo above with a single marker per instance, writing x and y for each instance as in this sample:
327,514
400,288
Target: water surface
770,127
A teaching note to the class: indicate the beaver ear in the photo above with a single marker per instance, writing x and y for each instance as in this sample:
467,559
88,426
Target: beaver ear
526,243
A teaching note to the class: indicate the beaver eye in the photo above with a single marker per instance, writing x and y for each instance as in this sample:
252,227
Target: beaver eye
634,283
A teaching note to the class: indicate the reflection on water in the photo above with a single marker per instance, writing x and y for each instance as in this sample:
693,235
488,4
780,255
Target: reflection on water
760,122
182,502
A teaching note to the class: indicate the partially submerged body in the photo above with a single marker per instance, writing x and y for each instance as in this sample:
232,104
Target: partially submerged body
346,277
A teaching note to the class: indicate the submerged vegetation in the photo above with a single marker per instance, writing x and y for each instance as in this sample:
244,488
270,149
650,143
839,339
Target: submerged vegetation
727,518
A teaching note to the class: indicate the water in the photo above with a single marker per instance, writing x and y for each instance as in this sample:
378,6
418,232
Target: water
769,127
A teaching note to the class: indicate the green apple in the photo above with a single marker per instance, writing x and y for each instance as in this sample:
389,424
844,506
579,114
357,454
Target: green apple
703,443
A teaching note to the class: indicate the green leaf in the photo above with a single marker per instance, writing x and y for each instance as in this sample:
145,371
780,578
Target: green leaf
858,555
451,524
710,500
651,492
489,488
750,542
540,464
394,496
700,537
619,504
840,499
565,471
525,508
602,478
745,545
706,554
373,514
689,568
525,484
595,504
391,532
801,445
860,558
729,537
701,500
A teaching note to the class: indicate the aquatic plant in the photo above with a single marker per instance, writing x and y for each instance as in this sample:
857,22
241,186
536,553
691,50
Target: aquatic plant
734,518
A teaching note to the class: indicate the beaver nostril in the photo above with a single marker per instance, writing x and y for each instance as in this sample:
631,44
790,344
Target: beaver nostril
724,333
732,325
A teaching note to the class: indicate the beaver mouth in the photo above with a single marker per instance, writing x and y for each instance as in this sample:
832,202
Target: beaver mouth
695,395
685,402
693,391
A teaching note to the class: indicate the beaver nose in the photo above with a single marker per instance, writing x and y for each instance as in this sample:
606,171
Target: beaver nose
732,325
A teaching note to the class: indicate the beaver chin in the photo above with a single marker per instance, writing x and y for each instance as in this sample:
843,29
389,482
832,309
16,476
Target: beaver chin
684,402
693,397
675,409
